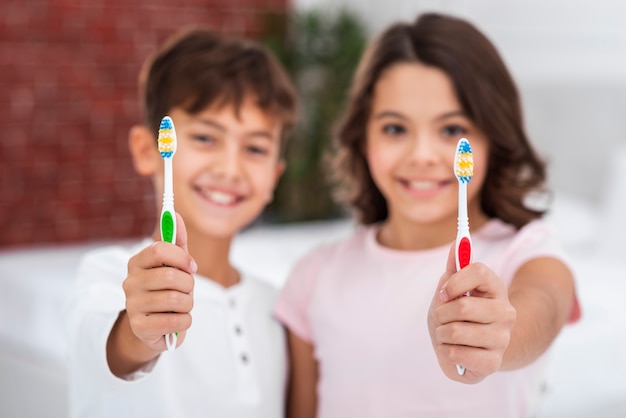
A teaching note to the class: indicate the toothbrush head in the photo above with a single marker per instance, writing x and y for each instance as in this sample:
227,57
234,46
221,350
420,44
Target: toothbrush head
167,138
463,161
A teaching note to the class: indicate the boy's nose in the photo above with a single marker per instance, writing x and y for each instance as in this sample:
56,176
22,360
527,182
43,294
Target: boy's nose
227,163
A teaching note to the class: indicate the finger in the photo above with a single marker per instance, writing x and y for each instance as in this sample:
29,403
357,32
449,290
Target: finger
473,335
163,301
153,327
160,254
156,279
478,362
476,278
473,309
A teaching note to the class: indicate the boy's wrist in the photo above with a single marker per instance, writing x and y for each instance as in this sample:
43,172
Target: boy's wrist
126,353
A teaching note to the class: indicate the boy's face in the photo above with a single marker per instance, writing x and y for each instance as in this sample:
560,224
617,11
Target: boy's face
225,167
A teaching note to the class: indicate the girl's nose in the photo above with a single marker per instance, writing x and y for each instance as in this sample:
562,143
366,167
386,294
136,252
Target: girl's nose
423,150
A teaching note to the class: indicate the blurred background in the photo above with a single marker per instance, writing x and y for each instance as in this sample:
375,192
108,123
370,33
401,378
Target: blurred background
68,72
68,78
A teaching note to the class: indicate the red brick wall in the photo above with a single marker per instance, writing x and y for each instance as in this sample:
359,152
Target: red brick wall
68,95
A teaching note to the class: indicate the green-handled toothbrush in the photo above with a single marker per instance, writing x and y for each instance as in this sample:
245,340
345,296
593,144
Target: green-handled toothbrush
167,148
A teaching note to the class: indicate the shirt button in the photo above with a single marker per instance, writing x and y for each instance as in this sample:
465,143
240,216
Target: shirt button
232,303
238,330
244,358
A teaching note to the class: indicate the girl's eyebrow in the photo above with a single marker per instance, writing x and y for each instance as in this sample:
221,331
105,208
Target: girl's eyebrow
393,114
452,114
389,114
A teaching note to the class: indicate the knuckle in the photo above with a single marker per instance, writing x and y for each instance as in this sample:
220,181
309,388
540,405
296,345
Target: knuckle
126,285
157,250
189,304
169,276
187,321
512,314
172,298
464,306
453,354
481,269
455,331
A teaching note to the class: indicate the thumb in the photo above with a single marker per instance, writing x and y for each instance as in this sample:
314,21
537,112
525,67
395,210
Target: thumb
181,233
451,263
181,240
450,270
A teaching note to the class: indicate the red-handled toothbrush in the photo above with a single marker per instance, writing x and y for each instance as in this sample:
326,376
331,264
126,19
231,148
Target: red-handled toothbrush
464,170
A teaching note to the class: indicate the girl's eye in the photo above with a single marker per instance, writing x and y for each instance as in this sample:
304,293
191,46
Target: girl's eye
454,131
394,129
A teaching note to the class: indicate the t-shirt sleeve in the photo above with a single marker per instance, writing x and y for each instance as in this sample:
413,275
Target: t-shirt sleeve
96,301
294,300
538,239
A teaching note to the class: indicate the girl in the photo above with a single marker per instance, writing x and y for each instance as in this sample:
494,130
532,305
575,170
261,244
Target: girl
360,312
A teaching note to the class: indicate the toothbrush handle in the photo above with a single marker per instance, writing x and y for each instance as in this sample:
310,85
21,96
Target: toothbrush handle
463,250
168,234
463,256
168,225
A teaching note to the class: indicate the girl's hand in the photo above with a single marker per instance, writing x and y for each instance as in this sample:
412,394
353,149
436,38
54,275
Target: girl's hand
159,289
473,331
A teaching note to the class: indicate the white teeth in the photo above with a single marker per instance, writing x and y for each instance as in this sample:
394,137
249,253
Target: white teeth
220,198
422,185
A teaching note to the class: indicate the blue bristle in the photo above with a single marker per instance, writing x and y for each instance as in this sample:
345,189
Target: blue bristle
166,154
166,123
464,146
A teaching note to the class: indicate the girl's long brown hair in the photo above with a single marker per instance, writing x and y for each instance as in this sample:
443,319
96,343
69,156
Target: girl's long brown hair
485,90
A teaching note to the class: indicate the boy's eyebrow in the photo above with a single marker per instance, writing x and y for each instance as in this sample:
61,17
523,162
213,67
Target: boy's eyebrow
211,124
259,133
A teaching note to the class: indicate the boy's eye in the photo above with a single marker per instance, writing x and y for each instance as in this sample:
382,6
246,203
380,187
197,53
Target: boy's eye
203,138
394,129
258,150
454,131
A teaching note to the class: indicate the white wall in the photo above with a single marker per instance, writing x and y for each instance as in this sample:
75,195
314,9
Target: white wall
569,60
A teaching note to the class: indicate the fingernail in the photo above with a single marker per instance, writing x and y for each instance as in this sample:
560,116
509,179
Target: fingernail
193,266
443,295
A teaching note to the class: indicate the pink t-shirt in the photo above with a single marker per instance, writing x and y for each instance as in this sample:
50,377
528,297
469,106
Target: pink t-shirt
364,308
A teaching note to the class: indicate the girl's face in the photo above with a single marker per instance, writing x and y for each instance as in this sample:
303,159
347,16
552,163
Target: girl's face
412,133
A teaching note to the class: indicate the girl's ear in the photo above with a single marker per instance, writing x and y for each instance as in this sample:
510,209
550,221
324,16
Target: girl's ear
143,149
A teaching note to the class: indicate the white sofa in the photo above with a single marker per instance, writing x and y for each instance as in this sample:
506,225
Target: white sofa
587,375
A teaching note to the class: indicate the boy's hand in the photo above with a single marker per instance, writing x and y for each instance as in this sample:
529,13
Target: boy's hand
159,290
473,331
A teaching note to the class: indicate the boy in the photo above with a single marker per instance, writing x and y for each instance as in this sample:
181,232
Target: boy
232,106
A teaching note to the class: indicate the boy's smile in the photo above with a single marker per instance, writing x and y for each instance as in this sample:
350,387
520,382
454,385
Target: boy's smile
226,167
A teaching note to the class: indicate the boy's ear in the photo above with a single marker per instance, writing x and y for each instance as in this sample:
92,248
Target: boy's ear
143,149
280,169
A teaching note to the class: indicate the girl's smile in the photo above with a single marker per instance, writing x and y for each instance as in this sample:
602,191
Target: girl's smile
415,123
